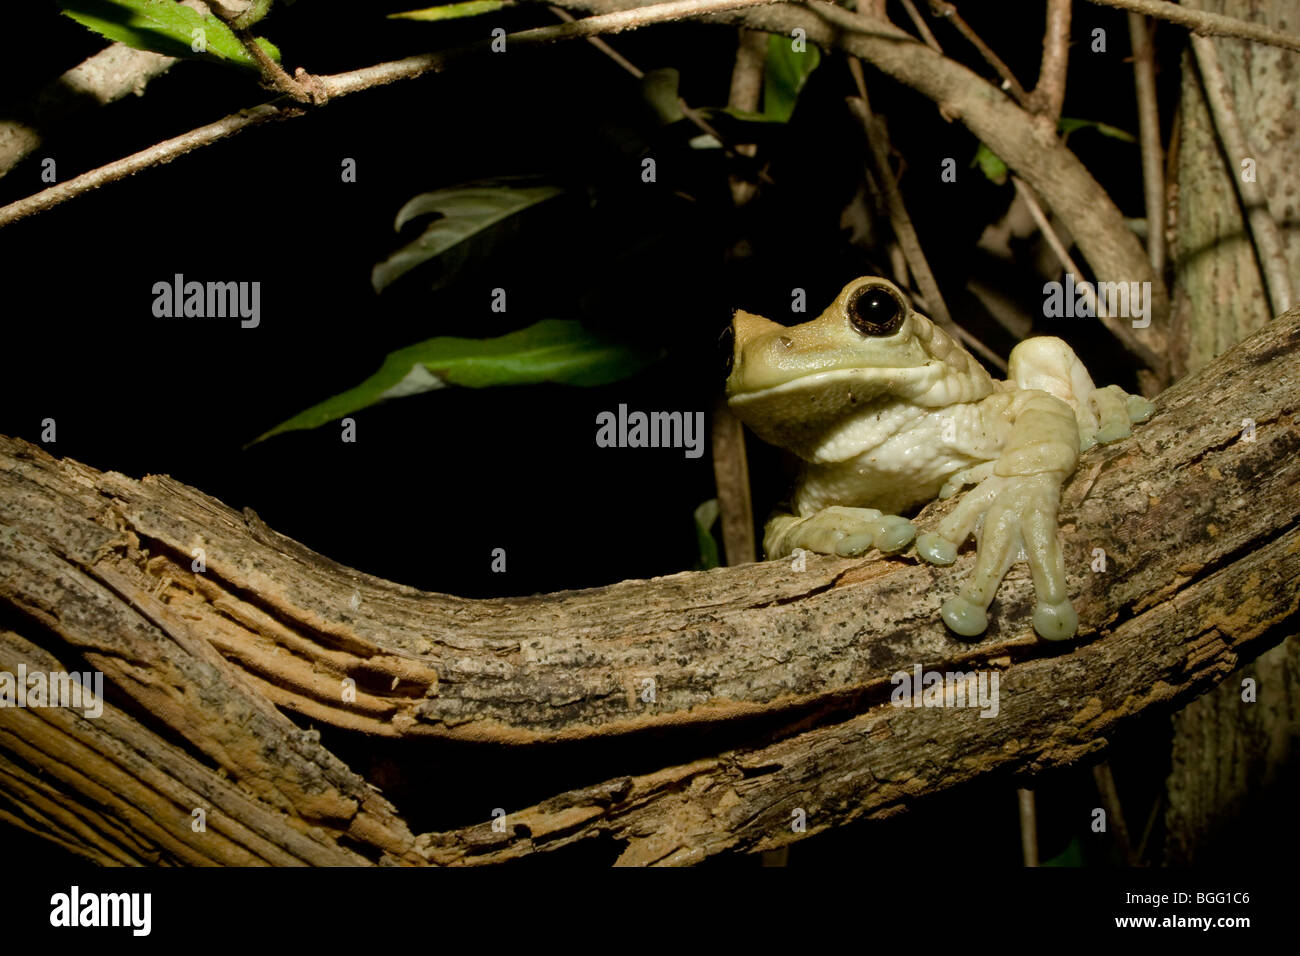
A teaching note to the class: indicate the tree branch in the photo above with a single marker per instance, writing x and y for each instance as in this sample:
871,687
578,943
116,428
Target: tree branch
1025,142
1012,133
344,84
789,670
1153,154
1049,94
1205,23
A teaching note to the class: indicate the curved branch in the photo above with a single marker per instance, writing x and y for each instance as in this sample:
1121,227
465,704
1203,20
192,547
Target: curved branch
1199,523
718,645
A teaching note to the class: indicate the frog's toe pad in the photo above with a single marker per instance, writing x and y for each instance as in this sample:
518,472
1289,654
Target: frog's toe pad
1056,622
1114,430
853,543
852,531
1139,408
936,549
964,617
893,533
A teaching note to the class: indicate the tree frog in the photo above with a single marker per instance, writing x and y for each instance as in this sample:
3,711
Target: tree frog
888,412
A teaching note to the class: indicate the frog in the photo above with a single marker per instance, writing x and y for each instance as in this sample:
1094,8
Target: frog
887,412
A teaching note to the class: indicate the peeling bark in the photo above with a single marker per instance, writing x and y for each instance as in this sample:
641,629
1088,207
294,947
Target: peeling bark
1199,526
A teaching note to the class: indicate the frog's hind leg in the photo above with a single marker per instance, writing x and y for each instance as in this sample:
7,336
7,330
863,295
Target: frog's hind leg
1047,364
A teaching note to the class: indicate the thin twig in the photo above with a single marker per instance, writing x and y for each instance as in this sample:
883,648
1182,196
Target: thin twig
1105,781
1269,247
1028,826
273,74
940,8
744,94
730,148
601,45
1153,178
343,84
690,113
1156,804
922,27
1205,23
902,222
155,155
730,461
1049,94
1117,328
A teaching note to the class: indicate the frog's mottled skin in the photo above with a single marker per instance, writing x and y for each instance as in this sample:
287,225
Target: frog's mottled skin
888,412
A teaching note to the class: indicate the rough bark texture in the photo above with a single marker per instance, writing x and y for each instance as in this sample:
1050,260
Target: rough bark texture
96,571
1221,297
1233,761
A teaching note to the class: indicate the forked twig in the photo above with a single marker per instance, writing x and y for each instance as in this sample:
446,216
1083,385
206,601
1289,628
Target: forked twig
355,81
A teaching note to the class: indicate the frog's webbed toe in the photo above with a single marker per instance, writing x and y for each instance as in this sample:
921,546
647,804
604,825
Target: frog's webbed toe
1116,410
838,530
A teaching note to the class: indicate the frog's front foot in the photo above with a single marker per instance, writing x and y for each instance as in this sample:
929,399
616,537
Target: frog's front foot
1114,411
837,530
1007,514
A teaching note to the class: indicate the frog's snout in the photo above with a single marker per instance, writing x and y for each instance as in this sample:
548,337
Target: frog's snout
747,333
747,327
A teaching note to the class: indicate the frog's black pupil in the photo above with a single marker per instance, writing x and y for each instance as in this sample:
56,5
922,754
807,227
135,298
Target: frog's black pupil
876,312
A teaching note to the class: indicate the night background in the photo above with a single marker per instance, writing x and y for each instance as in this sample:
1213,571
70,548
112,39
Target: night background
436,481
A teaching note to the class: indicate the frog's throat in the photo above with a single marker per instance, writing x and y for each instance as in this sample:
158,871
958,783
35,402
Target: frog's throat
799,413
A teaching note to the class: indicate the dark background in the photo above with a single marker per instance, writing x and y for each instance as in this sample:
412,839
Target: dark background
435,482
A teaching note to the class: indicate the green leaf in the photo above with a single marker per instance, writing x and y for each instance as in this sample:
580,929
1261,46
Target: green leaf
705,517
659,89
1068,126
163,26
743,115
1072,855
553,350
784,76
452,11
465,212
991,165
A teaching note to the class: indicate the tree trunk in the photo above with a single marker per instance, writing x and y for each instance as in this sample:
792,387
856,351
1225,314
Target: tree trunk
1230,755
768,688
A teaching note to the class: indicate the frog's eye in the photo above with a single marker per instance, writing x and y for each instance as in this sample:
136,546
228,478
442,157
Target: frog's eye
876,311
